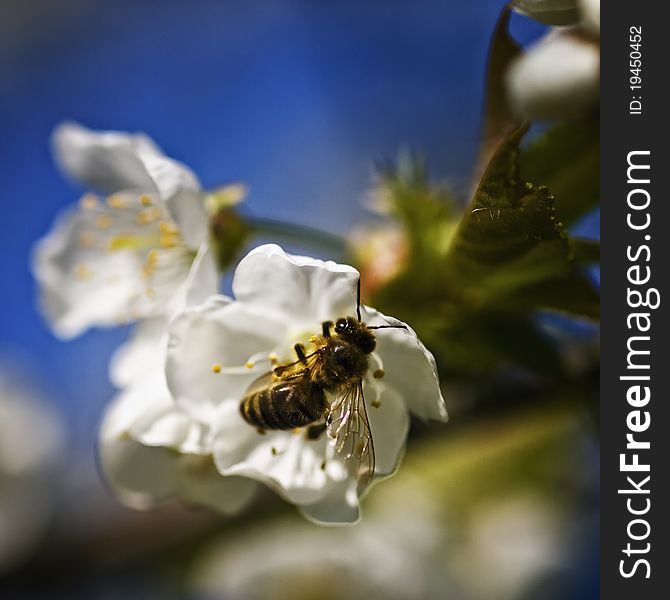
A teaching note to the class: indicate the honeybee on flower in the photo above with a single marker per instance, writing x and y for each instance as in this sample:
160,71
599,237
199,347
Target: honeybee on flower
218,349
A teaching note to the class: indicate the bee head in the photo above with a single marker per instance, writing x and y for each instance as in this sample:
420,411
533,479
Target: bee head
356,333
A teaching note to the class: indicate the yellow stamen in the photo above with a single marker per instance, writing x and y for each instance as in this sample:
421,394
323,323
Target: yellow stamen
379,373
249,365
116,201
103,221
148,215
169,240
86,239
168,227
82,272
150,263
88,201
145,200
216,368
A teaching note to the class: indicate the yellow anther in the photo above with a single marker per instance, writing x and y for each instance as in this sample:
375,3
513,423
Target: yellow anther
88,201
168,227
379,373
274,451
82,272
152,256
145,200
376,403
148,215
249,365
216,368
169,240
103,221
116,201
150,263
323,465
86,239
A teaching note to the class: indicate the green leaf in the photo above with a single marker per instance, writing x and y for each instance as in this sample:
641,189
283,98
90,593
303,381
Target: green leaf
510,250
585,252
566,159
508,237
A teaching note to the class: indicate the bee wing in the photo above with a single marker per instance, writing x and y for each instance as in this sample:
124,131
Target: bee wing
260,383
277,375
349,431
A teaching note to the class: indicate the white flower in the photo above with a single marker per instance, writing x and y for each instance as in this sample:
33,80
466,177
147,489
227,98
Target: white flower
150,450
590,16
396,553
549,12
31,447
217,349
126,257
558,77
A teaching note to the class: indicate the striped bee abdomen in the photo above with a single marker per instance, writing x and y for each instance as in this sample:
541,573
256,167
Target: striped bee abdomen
284,405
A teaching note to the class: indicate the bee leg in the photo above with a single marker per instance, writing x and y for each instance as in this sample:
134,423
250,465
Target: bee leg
325,328
314,431
300,351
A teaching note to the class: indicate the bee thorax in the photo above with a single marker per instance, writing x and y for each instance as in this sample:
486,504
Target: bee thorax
342,363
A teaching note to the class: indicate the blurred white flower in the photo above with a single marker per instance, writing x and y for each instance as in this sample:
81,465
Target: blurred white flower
590,16
549,12
510,547
126,257
396,553
558,77
31,447
150,450
217,349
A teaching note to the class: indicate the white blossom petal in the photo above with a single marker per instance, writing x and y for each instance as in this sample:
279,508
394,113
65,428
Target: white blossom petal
302,471
339,505
223,333
590,11
301,288
549,12
106,161
113,161
113,262
151,452
145,351
557,78
409,367
389,424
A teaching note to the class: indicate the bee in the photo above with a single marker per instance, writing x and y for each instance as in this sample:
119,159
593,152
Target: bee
323,391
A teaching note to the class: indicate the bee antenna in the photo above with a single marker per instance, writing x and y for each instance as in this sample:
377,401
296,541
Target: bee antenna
387,326
358,299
